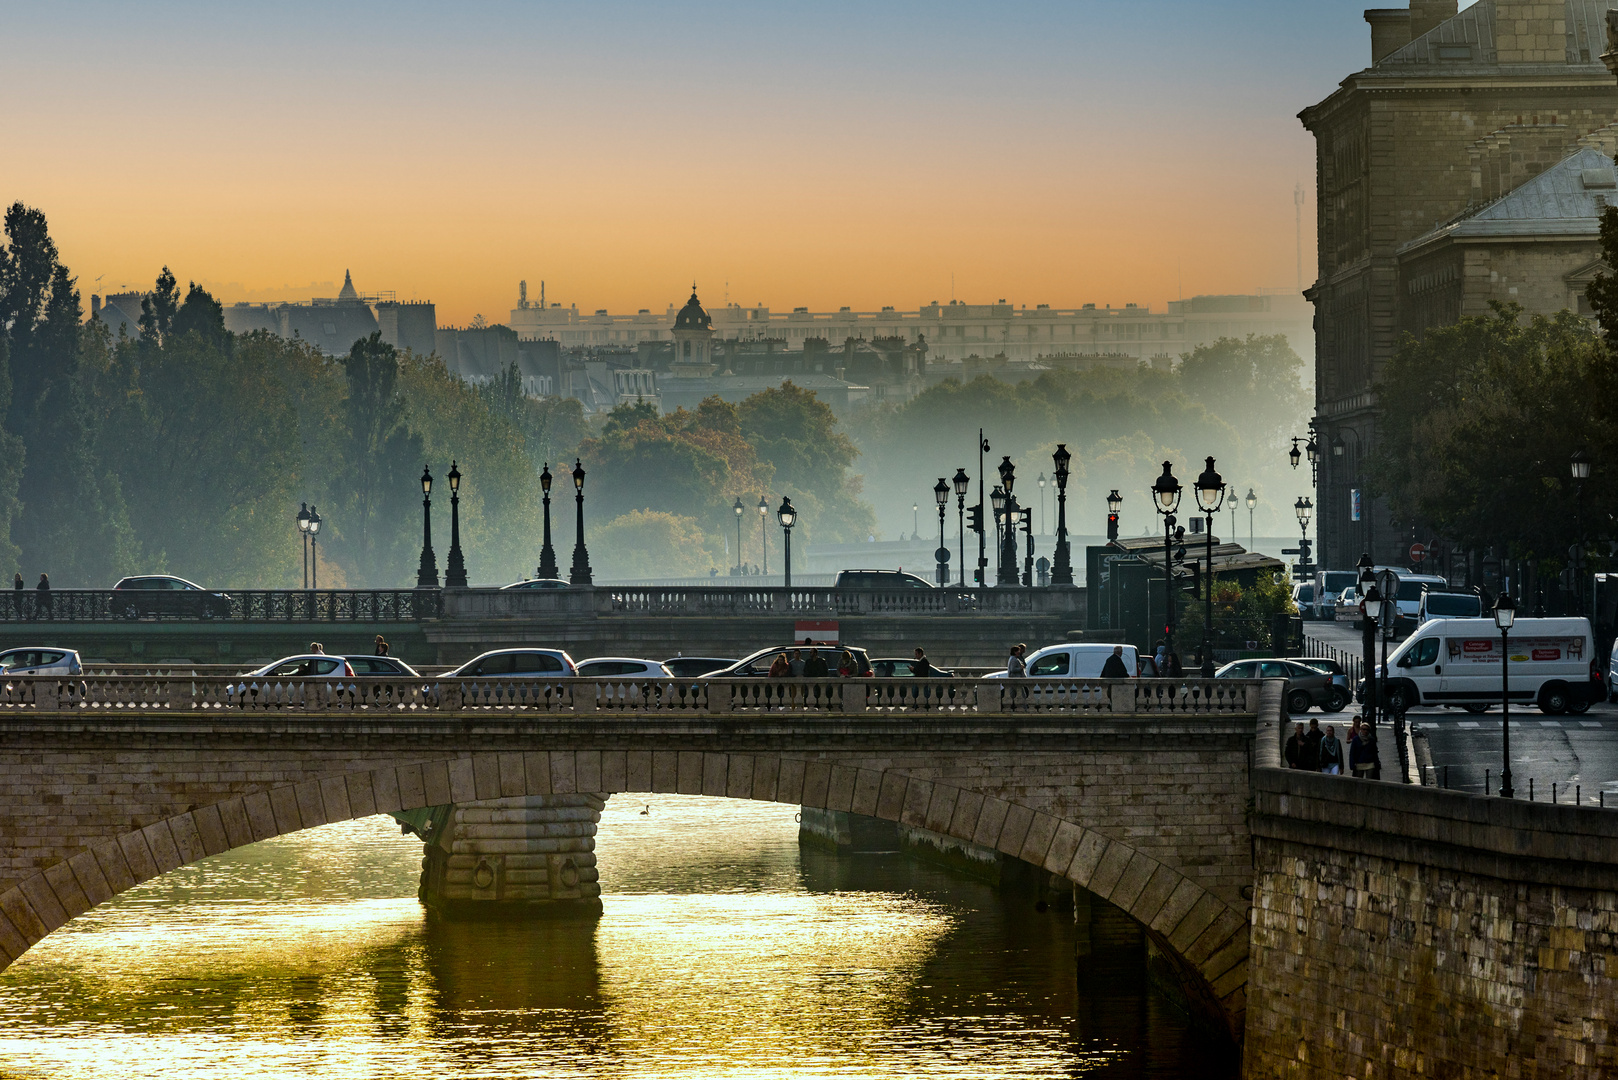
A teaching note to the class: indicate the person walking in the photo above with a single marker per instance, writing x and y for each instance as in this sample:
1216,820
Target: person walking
846,667
922,668
381,646
815,667
17,588
42,601
1015,667
317,647
1161,656
1294,750
780,668
1309,760
1331,753
1115,668
795,661
1175,671
1363,761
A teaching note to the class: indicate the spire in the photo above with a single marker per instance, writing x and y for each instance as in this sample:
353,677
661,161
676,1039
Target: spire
348,292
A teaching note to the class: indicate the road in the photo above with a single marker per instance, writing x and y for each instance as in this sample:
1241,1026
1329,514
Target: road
1578,754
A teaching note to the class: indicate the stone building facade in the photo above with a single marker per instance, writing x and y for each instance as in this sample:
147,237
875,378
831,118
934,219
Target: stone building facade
1456,110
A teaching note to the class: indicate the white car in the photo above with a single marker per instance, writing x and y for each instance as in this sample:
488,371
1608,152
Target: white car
1072,661
605,667
283,680
37,660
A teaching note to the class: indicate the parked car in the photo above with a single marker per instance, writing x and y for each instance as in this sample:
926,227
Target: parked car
757,665
1329,585
1072,660
288,669
604,667
904,667
517,663
1303,598
1306,687
1339,677
689,667
40,660
1457,662
537,583
880,579
1347,607
381,665
164,594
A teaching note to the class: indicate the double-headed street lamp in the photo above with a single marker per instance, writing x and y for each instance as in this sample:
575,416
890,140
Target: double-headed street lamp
788,518
1166,496
961,482
303,537
941,494
764,532
1505,613
580,573
1062,568
1210,497
427,572
997,503
547,554
1008,537
455,568
739,508
314,548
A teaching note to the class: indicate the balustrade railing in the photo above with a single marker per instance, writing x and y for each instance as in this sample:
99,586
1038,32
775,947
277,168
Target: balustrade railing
250,605
380,696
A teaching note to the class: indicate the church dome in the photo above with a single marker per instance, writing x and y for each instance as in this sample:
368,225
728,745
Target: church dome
692,317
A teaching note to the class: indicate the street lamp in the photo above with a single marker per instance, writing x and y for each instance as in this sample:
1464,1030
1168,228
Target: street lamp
303,537
1505,613
427,572
1295,455
1252,501
764,533
941,493
737,569
1305,509
580,573
314,548
1579,465
455,568
962,483
1371,603
1230,504
1040,480
1166,497
788,518
915,521
1062,570
997,503
547,554
1115,505
1028,560
1210,497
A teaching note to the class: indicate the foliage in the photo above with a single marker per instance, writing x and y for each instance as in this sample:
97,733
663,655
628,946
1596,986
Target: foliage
551,428
1479,422
379,459
1244,613
652,543
796,435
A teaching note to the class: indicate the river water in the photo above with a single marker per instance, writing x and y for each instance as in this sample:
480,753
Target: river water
723,951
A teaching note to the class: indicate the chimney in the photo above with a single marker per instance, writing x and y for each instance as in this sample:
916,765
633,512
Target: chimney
1426,14
1390,31
1530,32
95,305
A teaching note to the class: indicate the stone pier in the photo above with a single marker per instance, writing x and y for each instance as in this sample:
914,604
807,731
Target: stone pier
532,855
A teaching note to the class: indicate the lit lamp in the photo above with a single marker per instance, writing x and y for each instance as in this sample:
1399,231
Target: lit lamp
788,517
314,548
1166,497
738,508
303,538
941,494
1505,613
1210,497
763,532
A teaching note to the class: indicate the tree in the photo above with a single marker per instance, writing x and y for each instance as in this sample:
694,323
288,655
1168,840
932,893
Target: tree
796,434
157,310
380,453
652,544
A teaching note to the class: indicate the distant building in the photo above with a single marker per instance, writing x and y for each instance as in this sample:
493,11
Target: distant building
332,325
120,312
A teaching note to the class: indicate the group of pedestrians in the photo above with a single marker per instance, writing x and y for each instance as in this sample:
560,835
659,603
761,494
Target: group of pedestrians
1313,750
42,596
793,664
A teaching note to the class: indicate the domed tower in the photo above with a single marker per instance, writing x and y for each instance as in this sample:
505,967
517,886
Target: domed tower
693,340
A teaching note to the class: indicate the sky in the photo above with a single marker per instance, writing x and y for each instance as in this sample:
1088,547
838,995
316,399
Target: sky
790,154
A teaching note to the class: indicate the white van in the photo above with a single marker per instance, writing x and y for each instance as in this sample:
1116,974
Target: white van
1073,660
1437,604
1457,662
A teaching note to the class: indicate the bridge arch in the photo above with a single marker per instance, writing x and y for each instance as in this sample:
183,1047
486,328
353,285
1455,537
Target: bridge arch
1205,936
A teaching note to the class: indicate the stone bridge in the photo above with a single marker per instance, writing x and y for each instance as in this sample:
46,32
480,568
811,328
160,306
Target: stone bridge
1136,791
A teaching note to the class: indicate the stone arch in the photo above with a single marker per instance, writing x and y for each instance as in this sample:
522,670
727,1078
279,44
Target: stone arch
1203,935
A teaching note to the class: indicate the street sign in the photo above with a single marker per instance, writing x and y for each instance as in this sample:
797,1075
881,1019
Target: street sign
941,554
1418,552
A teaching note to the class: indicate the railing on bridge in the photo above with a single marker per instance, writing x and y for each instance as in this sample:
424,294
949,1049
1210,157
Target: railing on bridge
251,605
1352,663
382,697
742,600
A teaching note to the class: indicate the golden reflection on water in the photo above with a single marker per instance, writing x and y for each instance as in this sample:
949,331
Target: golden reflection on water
722,952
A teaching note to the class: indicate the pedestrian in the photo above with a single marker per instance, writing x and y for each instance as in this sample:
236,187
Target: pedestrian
1309,760
1175,671
1161,656
43,599
317,647
815,667
381,646
1331,753
1294,751
846,666
922,668
780,668
795,661
1363,760
1115,668
1015,667
17,588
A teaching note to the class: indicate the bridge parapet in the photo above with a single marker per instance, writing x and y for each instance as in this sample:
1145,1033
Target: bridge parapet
237,605
385,696
740,600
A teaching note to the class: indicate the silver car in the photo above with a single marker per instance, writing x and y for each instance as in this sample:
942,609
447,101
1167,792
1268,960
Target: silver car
38,660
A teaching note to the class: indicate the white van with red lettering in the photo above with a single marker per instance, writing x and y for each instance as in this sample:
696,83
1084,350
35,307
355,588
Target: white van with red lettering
1552,665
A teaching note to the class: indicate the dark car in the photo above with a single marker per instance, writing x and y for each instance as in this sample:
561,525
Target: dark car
904,668
1306,687
537,583
381,665
757,665
164,594
1339,677
689,667
880,579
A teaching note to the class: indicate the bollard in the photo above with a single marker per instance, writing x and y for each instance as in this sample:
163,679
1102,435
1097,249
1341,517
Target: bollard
1485,781
1446,777
1530,789
1578,794
1553,792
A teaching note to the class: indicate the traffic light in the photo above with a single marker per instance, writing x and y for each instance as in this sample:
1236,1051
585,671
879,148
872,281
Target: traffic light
1195,588
1112,526
974,518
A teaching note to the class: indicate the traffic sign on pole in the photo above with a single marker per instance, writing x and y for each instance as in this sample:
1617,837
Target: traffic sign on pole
1418,552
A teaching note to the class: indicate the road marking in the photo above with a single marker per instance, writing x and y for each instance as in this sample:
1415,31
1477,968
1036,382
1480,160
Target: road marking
1468,723
1550,723
1589,723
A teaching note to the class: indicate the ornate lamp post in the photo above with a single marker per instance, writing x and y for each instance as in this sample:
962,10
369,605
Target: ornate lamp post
983,560
1505,613
788,518
1230,504
1115,506
997,503
764,533
1252,501
1295,455
1210,497
737,569
303,537
1062,570
580,573
455,568
314,548
1579,465
1028,559
1166,495
1008,539
427,572
547,554
1371,602
1040,480
915,521
962,482
1305,509
941,493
